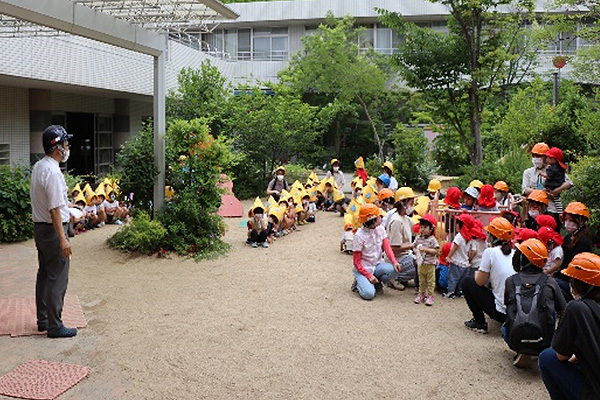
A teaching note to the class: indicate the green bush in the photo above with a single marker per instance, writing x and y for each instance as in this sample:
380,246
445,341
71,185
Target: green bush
15,205
296,172
188,223
141,234
508,168
412,165
586,189
135,166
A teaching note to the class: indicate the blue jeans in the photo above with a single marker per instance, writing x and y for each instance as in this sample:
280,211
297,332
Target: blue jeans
383,271
456,274
563,379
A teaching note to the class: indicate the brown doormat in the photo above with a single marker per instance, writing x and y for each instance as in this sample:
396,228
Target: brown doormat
41,379
18,315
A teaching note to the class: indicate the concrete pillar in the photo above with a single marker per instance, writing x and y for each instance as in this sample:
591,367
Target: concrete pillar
159,129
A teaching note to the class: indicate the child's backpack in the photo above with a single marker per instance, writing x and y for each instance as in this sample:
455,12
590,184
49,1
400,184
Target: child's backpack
530,326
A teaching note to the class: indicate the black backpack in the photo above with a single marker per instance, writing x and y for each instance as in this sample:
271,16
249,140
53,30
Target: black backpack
530,326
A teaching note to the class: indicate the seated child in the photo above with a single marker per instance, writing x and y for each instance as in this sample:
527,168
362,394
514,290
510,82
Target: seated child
528,261
90,211
273,226
553,242
77,219
347,236
114,213
257,225
427,245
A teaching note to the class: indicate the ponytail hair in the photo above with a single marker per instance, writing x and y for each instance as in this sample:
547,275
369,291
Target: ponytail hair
506,247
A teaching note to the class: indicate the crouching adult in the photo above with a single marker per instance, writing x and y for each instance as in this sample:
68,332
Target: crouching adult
570,369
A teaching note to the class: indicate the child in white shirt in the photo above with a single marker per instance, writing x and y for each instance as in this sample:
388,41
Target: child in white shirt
459,255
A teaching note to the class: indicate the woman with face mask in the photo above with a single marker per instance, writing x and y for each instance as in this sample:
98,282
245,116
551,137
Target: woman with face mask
570,369
399,230
336,172
277,184
537,204
576,241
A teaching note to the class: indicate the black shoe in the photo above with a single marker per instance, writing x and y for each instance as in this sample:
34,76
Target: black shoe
63,332
42,327
379,288
476,326
354,286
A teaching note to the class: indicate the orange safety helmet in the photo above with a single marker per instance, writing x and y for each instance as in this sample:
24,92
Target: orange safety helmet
538,195
368,212
501,186
501,228
577,208
585,267
385,193
540,149
535,251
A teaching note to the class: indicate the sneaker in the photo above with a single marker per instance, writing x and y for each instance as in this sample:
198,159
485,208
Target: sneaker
63,332
379,288
429,301
448,295
476,326
248,241
395,285
522,360
354,286
265,245
254,245
118,222
419,299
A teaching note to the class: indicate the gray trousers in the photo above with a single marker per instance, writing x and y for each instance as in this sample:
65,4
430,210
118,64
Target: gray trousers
409,268
52,277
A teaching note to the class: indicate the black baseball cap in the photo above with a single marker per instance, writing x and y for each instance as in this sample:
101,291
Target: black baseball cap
53,136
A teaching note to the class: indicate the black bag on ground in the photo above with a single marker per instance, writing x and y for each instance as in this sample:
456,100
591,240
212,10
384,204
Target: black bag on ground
530,326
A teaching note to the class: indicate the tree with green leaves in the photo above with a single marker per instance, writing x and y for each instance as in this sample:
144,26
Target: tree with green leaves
483,51
332,66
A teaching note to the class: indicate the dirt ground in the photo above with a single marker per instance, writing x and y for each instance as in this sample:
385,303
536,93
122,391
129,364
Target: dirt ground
277,323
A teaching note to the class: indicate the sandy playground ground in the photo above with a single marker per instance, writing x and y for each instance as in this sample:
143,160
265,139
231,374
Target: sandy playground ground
277,323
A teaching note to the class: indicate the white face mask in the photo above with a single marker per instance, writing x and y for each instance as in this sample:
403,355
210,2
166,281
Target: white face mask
258,216
279,177
409,210
537,162
571,226
336,169
65,155
533,213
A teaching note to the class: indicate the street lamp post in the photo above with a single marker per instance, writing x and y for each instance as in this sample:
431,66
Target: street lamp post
559,62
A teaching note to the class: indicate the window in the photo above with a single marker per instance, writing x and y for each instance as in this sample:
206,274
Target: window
244,51
270,43
4,154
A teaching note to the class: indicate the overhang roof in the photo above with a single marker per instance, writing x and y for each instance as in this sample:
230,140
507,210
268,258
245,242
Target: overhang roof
171,16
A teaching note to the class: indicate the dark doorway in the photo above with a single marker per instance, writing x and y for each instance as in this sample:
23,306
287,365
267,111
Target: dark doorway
81,126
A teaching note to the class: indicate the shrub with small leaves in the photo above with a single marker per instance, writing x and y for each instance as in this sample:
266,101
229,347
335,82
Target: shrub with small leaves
15,205
141,234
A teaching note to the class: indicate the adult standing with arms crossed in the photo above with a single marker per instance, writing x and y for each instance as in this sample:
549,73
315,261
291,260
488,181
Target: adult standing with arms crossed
50,214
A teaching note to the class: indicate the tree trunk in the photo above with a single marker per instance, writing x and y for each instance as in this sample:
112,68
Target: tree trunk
374,127
475,122
337,142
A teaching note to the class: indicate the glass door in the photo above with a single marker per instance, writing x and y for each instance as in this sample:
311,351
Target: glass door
103,144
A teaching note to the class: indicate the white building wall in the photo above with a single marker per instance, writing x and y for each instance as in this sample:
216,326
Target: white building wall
14,123
69,102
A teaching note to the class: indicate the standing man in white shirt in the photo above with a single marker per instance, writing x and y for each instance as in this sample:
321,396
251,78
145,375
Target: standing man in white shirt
50,211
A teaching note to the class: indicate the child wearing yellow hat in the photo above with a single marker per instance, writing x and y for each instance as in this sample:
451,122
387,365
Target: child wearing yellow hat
257,225
77,217
276,214
348,235
361,172
90,211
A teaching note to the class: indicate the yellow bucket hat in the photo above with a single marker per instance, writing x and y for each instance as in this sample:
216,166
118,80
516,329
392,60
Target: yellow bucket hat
331,181
334,160
297,184
100,191
359,162
347,220
88,198
313,176
421,205
257,204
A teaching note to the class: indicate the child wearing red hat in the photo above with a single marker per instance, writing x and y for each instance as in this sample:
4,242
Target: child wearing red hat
426,244
441,270
478,246
553,242
459,255
555,177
